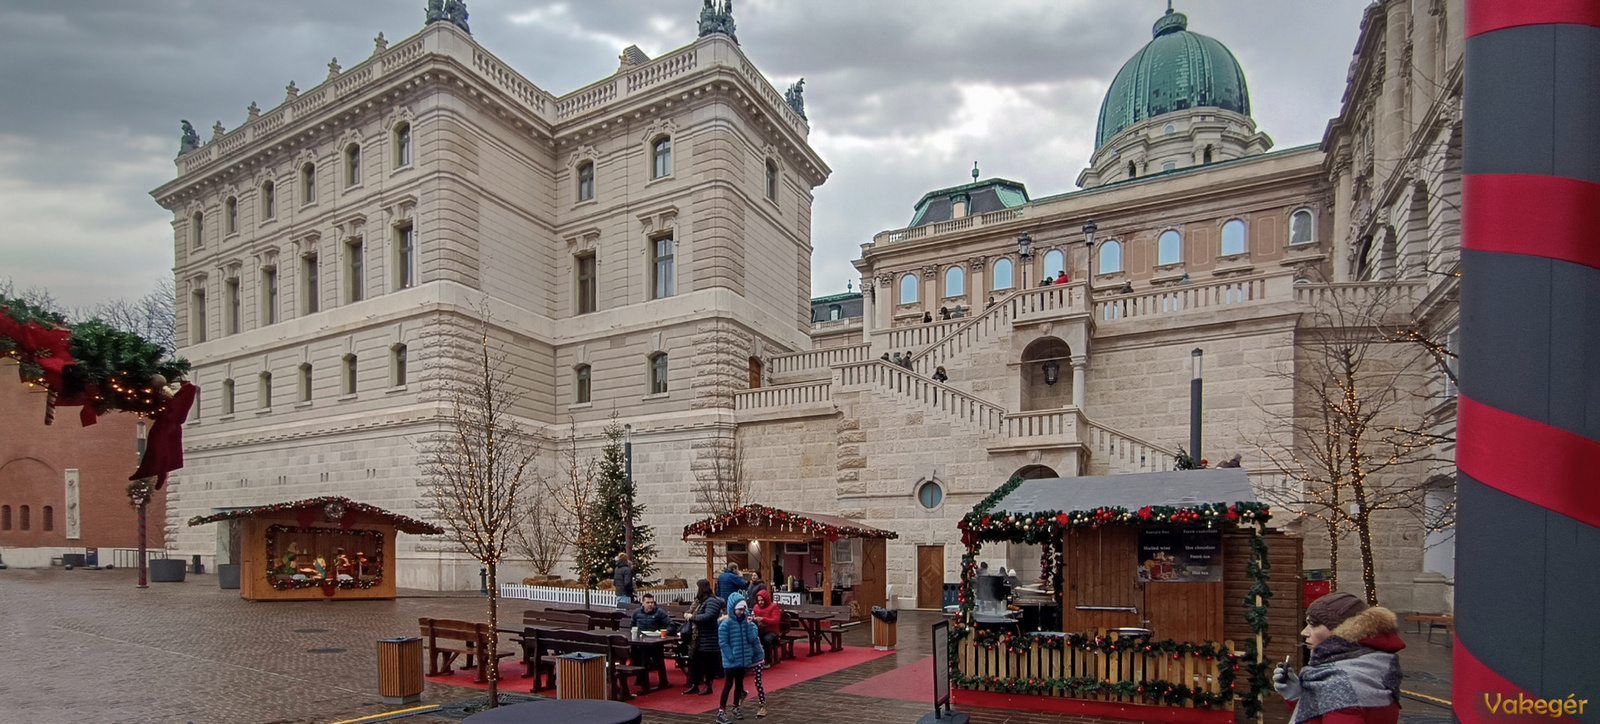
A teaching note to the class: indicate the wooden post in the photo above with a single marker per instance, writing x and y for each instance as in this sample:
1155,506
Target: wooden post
827,572
764,562
711,552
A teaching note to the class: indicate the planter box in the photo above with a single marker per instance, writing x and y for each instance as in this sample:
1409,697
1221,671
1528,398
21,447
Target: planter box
228,576
167,570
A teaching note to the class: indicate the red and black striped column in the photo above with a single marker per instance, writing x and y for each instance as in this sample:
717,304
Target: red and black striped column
1528,435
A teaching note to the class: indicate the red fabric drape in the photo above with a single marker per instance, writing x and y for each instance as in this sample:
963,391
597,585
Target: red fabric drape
163,451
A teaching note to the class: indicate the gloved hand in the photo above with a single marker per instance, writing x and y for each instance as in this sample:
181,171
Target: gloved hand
1287,681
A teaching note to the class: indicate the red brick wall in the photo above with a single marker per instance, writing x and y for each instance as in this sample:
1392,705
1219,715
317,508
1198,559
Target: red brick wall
34,459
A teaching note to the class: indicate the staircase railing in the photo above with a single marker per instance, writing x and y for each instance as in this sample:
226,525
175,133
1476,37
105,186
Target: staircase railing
778,396
943,398
817,359
1113,447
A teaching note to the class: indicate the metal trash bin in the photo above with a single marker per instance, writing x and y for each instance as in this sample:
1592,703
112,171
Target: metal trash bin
399,669
167,570
228,576
581,676
73,560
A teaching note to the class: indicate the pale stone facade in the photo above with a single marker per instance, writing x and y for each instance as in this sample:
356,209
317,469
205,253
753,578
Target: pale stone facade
1229,257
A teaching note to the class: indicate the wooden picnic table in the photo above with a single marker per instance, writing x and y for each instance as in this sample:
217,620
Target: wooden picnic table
812,622
657,648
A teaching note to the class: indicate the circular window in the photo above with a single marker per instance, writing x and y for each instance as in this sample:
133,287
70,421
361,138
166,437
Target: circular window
930,495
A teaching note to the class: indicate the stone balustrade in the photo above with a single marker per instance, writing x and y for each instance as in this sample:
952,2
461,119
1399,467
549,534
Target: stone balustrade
1045,426
817,359
946,400
783,396
964,223
1123,453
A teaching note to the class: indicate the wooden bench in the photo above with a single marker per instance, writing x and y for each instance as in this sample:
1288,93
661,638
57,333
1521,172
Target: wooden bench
834,631
555,619
448,640
608,619
789,632
1448,623
542,647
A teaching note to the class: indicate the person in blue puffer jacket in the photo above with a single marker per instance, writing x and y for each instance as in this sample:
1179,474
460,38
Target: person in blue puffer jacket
740,642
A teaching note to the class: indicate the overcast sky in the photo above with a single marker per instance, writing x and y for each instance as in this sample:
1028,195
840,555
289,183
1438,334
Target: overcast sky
903,96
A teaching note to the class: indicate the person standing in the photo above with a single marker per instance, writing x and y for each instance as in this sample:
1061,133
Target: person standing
740,643
622,578
702,626
1354,673
729,581
769,622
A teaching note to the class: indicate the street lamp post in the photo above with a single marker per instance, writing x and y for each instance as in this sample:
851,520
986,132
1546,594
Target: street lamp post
1089,228
1025,255
1195,384
627,500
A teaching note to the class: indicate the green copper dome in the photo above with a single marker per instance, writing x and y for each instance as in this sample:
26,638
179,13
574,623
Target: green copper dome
1175,71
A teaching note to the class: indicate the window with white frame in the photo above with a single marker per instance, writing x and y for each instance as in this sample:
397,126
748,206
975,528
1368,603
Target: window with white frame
1055,262
305,382
1169,247
587,288
586,181
1302,227
658,373
197,316
349,374
955,281
1233,238
1001,274
582,378
264,390
405,257
197,229
311,284
230,319
397,366
402,145
662,284
269,295
227,397
1110,257
352,164
269,200
308,183
661,157
230,215
772,180
355,268
908,289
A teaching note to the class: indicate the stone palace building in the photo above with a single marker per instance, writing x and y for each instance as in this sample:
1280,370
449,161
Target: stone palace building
642,247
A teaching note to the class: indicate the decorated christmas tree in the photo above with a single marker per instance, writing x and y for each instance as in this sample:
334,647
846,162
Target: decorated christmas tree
614,510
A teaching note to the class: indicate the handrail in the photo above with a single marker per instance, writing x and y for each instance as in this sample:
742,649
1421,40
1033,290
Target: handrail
777,396
1181,298
817,358
943,398
1142,455
1058,298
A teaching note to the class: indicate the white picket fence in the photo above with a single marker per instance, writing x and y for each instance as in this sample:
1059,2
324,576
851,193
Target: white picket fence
574,596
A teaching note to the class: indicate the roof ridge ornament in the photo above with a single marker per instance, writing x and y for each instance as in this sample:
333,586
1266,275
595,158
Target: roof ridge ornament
449,11
1170,22
795,96
716,16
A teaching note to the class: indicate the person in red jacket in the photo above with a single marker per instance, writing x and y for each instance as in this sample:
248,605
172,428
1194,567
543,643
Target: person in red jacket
1354,673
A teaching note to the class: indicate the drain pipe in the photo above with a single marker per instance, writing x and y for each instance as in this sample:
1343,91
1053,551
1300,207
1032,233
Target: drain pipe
1195,385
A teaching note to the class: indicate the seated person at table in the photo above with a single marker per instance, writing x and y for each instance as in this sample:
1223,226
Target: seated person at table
649,618
769,617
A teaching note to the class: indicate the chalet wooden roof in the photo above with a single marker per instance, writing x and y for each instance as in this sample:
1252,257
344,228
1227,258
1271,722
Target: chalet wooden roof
760,516
333,509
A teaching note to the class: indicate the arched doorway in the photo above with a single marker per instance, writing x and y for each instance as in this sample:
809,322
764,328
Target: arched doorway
755,373
1046,375
1035,472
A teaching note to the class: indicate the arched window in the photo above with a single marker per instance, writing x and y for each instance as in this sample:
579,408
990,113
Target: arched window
1170,129
230,215
305,382
1001,271
835,312
1169,248
402,145
5,517
1110,257
661,157
955,281
397,366
908,289
308,183
227,397
1055,262
1233,241
1302,227
264,391
772,180
26,523
269,200
1207,157
49,518
658,373
581,376
352,164
585,180
197,229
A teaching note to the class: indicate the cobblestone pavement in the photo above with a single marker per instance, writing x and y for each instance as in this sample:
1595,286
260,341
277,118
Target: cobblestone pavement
87,646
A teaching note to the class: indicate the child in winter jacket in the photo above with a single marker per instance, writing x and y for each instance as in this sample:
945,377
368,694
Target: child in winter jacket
1354,673
740,642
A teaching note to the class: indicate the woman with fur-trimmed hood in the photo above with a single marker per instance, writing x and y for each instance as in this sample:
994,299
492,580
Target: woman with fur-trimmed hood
1354,674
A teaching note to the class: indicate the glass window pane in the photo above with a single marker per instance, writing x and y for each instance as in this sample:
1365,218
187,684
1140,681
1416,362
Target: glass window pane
1055,262
908,289
1002,274
1233,238
1111,257
1301,228
1170,248
583,383
955,282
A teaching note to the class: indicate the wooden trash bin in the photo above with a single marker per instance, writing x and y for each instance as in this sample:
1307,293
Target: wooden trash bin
883,634
581,676
400,670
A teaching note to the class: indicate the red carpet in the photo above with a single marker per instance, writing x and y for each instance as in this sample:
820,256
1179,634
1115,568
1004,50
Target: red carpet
914,682
789,673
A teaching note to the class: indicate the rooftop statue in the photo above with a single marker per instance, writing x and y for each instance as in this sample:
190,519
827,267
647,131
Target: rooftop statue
716,16
190,140
795,97
449,11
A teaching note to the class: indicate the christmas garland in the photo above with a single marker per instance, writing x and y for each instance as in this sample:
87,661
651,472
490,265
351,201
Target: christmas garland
1157,691
1046,526
90,363
281,583
1256,665
1023,643
755,514
335,509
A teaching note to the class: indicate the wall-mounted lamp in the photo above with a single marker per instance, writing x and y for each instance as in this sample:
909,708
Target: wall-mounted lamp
1052,372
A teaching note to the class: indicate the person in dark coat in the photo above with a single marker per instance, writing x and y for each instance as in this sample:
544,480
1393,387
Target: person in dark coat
622,578
704,653
1354,673
647,617
729,581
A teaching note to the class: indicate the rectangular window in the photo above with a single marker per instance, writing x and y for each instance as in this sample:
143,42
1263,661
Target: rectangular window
661,151
405,261
349,374
269,295
305,382
230,215
313,284
586,284
583,381
197,317
356,269
402,145
231,320
398,362
227,397
586,181
264,391
661,282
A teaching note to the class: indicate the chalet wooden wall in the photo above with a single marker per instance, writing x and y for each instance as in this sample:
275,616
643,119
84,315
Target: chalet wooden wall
254,563
1285,615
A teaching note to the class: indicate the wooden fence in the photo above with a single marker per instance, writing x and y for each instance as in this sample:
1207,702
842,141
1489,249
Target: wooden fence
1044,663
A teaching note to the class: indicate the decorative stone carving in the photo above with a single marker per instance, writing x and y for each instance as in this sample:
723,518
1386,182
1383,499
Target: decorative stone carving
930,271
716,16
795,97
291,92
977,263
253,112
379,44
334,68
217,131
885,280
449,11
190,139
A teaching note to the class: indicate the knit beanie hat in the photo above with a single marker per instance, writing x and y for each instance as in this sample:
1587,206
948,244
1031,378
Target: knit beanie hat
1334,608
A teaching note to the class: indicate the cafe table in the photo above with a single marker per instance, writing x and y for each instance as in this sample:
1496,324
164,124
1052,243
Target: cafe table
565,711
811,622
656,647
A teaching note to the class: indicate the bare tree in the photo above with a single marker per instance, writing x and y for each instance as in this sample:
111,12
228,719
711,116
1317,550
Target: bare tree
1357,446
573,489
719,472
152,316
540,538
475,468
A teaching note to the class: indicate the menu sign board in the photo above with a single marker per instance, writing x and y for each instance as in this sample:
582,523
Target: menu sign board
1180,556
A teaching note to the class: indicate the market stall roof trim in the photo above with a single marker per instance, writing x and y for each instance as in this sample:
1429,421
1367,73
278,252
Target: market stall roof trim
335,508
759,515
1173,488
